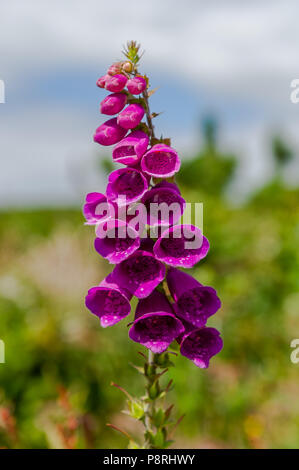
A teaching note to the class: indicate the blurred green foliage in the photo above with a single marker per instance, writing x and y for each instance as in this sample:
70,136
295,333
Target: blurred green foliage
55,385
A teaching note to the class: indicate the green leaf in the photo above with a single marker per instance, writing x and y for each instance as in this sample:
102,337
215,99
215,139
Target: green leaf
154,391
159,417
159,439
136,409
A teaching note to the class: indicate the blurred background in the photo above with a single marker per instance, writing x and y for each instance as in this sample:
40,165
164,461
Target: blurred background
224,71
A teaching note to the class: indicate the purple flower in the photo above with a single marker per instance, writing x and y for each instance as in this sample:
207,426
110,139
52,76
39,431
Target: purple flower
140,273
116,240
109,133
102,80
116,83
136,85
155,325
130,150
109,302
113,103
200,345
195,303
131,116
181,245
160,161
96,208
125,186
164,204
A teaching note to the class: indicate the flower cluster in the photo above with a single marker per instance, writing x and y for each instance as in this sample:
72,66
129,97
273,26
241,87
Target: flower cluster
172,305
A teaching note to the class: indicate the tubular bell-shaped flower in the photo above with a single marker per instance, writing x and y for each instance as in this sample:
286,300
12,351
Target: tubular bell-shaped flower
96,208
181,245
109,302
140,273
161,161
164,204
130,150
200,345
125,186
155,325
195,303
116,240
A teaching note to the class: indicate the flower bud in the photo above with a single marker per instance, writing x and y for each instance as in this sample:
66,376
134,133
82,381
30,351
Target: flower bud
114,68
102,81
136,85
113,103
131,116
116,83
109,133
127,67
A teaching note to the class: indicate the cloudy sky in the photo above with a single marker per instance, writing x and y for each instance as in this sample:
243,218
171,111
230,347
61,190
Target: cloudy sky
230,58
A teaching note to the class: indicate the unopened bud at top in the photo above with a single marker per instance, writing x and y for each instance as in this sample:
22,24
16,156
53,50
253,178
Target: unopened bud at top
114,68
127,67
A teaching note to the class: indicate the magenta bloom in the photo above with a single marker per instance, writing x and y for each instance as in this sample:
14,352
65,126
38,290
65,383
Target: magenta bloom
116,240
116,83
155,325
140,274
130,150
113,103
102,80
125,186
164,204
161,161
136,85
109,133
200,345
181,245
195,303
131,116
109,302
96,208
